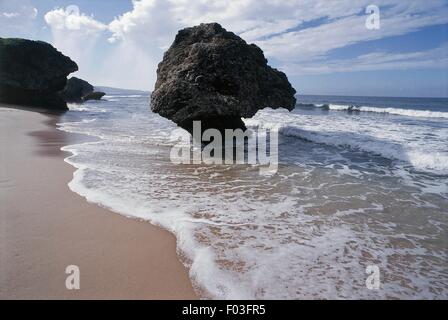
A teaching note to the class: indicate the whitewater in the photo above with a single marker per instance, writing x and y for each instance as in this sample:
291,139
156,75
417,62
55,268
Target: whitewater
359,184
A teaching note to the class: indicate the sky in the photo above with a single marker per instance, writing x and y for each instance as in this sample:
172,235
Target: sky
339,47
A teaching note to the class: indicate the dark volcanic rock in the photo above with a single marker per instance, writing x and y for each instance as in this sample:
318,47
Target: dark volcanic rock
96,95
32,73
212,75
76,89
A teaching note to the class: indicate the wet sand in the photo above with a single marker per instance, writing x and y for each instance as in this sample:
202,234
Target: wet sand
44,227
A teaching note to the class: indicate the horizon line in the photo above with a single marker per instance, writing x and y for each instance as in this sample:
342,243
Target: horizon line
310,94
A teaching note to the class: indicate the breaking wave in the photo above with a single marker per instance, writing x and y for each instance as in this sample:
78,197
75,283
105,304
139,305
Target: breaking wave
395,111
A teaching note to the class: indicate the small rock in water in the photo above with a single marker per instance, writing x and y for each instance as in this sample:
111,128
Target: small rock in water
96,95
212,75
78,90
75,89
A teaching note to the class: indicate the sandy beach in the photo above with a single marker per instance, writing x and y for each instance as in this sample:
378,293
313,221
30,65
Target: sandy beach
44,227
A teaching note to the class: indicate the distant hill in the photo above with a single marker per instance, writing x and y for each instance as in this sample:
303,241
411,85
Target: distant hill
111,90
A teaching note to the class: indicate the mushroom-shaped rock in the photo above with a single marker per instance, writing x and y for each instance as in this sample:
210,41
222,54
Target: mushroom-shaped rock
212,75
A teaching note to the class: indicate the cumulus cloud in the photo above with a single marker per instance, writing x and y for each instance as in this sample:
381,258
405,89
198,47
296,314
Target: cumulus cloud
151,25
143,34
76,35
297,35
70,19
252,19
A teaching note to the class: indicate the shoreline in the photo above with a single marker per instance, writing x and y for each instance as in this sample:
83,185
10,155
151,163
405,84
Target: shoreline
118,257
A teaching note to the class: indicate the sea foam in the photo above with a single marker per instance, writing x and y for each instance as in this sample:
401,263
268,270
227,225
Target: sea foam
395,111
309,231
422,147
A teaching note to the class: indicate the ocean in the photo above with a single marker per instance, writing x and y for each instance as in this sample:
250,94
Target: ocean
361,182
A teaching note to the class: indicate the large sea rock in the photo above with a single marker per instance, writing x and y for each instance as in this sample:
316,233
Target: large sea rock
32,73
78,90
212,75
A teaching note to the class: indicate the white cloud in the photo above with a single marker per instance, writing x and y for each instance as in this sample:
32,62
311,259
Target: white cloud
313,43
33,13
22,11
67,20
150,27
76,35
299,34
433,58
10,14
17,18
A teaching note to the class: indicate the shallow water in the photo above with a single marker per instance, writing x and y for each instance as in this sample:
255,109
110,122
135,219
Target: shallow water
353,189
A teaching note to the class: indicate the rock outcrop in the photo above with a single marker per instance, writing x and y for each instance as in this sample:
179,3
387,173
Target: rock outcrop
96,95
32,73
75,89
212,75
78,91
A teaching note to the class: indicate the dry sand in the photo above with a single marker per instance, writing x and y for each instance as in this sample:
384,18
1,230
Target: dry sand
44,227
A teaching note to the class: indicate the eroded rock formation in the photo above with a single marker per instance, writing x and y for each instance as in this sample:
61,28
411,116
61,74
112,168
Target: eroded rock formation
32,73
212,75
78,91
